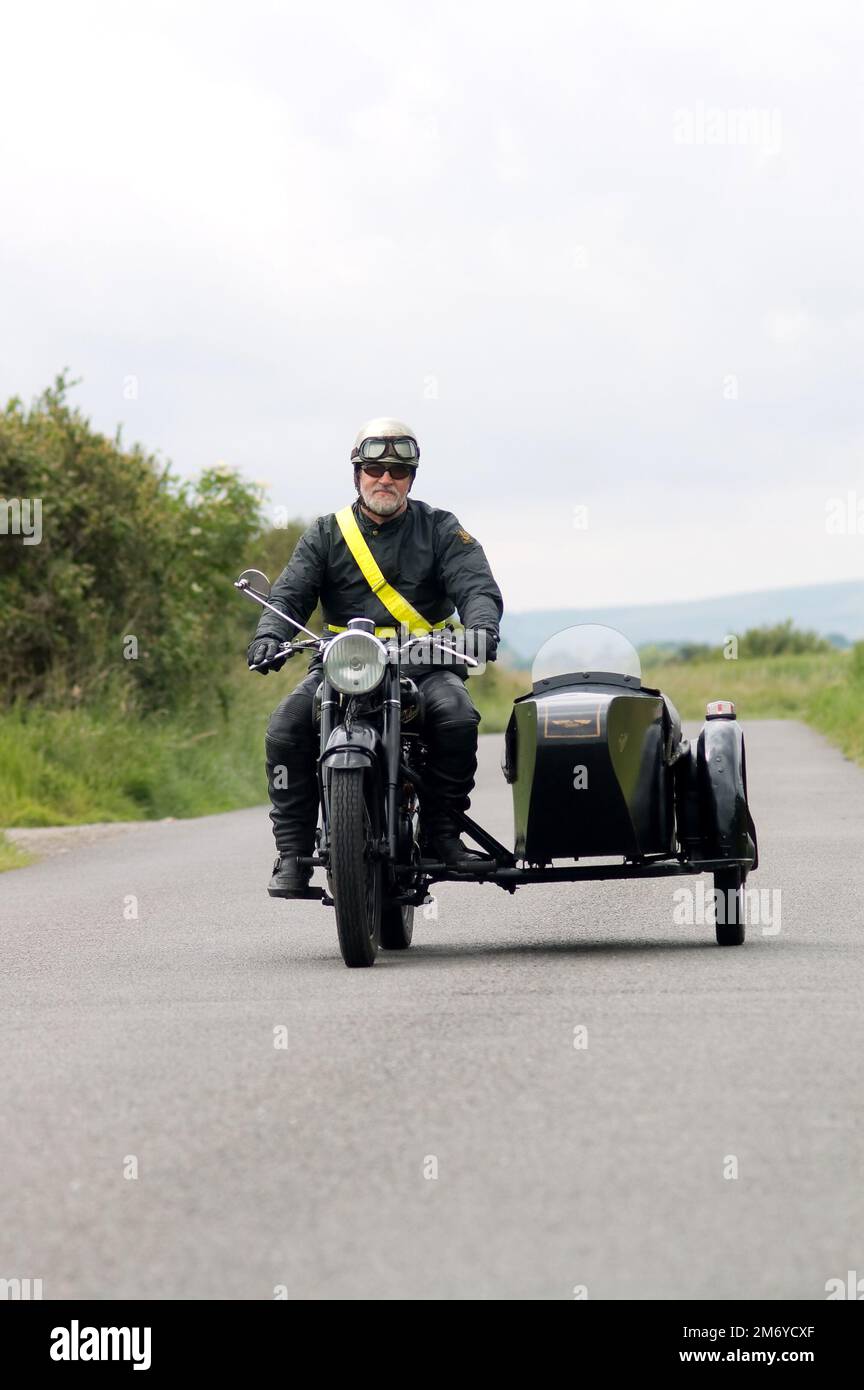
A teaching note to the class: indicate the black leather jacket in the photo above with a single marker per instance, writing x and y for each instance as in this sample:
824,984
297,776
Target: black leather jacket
424,553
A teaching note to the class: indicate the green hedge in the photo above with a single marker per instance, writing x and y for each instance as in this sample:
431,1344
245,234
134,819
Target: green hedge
129,589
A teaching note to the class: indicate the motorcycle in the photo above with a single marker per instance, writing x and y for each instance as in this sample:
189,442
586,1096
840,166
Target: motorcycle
596,761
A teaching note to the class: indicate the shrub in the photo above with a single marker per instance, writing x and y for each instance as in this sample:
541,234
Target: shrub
783,639
128,550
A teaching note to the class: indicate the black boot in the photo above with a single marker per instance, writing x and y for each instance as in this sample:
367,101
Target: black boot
290,878
449,848
439,839
449,776
293,789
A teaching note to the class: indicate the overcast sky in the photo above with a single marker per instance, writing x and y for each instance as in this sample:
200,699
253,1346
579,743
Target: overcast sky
625,319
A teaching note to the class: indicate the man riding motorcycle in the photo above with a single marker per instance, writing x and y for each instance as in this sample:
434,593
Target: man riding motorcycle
394,560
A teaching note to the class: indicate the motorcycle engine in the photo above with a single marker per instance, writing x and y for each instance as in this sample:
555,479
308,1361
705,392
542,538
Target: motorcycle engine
411,702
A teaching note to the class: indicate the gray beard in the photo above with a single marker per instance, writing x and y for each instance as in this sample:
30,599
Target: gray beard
382,503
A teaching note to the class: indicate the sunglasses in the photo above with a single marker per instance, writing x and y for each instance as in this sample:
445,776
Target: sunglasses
398,471
403,448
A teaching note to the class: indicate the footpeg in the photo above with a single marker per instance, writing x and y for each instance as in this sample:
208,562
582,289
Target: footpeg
308,893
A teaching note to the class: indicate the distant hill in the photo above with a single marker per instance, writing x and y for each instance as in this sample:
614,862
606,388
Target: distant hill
835,610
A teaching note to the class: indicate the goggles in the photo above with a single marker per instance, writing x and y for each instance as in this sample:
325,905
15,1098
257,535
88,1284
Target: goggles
404,448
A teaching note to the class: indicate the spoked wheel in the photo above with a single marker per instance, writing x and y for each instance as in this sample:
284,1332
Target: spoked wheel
355,876
730,908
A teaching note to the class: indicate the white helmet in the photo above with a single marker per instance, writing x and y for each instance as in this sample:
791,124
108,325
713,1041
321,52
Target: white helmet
371,442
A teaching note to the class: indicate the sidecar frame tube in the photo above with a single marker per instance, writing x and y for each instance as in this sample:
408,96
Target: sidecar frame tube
508,877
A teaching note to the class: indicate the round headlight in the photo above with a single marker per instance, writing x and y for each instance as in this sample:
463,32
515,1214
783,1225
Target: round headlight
354,662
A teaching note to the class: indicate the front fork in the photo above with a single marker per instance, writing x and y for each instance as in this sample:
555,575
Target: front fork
392,749
329,705
392,753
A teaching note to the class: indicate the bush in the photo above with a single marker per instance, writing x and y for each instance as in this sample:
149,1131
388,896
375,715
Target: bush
783,639
697,651
129,555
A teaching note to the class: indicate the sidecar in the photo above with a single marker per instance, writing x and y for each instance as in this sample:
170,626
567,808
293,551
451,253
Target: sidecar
599,768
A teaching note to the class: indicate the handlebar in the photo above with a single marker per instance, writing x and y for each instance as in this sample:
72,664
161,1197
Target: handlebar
320,642
289,648
435,642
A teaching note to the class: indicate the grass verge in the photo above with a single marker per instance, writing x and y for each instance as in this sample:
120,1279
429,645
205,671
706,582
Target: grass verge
824,690
11,857
70,766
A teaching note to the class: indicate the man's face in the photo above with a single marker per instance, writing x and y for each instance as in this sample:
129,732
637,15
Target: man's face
385,496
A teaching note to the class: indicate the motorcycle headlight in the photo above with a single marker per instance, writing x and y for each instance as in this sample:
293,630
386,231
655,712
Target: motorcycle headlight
354,662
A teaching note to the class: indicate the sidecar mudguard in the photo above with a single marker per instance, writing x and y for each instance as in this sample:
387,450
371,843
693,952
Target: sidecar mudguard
714,820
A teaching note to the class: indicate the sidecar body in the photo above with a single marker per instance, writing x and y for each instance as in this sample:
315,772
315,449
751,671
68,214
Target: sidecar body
605,785
599,766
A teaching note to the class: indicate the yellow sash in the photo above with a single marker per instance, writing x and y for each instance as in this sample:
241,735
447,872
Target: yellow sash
384,592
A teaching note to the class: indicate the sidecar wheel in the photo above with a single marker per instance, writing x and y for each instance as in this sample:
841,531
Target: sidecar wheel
355,877
730,882
397,926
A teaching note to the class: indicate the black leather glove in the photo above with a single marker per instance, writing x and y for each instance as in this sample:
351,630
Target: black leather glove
480,643
266,654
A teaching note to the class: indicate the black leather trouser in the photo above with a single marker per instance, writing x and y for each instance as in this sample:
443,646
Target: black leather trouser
449,729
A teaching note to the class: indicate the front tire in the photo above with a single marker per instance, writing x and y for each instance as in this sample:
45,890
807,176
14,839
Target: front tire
355,876
730,883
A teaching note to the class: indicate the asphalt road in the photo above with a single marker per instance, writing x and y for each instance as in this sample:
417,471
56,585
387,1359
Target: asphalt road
308,1167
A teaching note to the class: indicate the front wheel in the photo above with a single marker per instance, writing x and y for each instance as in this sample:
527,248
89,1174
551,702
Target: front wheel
355,874
729,905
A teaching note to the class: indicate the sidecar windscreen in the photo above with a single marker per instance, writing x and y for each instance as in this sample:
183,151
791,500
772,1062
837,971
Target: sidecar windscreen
588,648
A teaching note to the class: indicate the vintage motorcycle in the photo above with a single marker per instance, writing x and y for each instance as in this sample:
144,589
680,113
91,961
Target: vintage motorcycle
596,761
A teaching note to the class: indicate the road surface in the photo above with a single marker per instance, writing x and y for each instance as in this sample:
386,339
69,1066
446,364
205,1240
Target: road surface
430,1129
